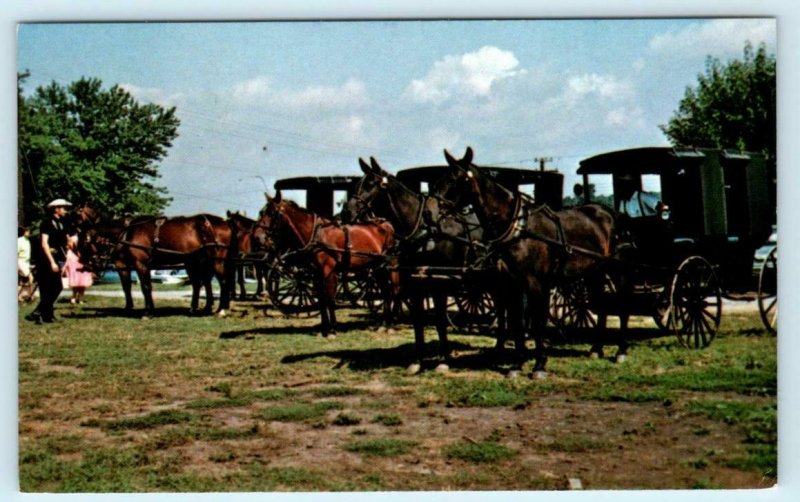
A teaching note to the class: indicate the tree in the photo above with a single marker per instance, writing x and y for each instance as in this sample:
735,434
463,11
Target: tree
92,145
732,107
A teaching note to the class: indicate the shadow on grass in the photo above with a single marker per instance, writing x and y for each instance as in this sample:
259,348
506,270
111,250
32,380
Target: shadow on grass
93,313
313,330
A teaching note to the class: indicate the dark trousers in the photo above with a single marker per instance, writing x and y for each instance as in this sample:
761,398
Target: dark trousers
50,287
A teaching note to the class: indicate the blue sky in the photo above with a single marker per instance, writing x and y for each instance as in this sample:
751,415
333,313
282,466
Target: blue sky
318,95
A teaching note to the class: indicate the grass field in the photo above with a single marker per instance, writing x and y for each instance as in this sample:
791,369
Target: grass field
257,402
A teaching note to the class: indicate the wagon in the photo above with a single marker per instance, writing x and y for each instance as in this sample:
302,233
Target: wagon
289,283
471,306
690,222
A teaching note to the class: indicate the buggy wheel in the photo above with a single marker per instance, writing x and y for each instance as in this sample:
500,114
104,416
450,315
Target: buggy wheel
362,290
291,288
471,308
768,291
570,304
696,303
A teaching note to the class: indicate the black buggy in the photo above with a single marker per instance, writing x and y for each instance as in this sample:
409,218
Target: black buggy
690,222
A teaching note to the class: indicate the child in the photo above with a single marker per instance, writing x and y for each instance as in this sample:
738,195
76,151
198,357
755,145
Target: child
78,279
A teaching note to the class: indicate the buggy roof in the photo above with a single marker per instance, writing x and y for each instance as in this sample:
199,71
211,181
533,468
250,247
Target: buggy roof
648,160
504,175
311,182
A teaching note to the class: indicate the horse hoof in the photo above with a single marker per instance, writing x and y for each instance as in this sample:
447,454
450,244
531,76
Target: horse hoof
221,314
145,318
330,336
442,368
621,358
414,369
381,330
539,375
513,374
594,356
390,331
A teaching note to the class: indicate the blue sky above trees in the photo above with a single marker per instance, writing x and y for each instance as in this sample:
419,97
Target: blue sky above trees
278,99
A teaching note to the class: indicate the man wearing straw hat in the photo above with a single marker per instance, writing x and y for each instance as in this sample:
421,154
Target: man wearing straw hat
52,256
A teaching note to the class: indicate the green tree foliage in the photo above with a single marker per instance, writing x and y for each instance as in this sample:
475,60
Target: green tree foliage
732,106
88,144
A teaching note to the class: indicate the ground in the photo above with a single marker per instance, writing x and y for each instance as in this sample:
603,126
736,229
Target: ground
259,402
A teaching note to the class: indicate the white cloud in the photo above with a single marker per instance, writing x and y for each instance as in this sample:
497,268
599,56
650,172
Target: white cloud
623,117
153,95
716,37
604,86
260,90
472,75
350,94
255,88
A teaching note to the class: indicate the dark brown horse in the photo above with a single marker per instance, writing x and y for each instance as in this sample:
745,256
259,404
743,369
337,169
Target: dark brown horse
538,247
442,245
249,253
329,248
199,243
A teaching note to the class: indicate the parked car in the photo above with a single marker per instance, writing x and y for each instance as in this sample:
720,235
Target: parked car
763,252
170,276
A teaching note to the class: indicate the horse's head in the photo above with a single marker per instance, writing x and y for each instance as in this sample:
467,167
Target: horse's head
264,226
458,186
367,196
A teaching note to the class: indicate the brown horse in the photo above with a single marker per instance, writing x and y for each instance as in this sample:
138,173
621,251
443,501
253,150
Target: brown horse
537,246
329,247
199,243
249,253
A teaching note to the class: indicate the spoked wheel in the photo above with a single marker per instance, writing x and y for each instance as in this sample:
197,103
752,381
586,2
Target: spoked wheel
571,304
290,287
696,303
768,291
362,290
471,308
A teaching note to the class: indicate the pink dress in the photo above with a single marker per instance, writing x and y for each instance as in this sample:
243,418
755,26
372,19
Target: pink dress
77,278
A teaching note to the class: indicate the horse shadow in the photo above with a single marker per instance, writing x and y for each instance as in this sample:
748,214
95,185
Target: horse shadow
121,312
312,330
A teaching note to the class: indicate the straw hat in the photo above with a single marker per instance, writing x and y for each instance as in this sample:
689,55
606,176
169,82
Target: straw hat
59,203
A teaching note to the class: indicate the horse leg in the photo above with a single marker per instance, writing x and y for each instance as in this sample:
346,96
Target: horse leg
540,303
418,318
596,352
622,346
195,280
226,275
147,290
440,306
516,311
125,281
259,269
330,298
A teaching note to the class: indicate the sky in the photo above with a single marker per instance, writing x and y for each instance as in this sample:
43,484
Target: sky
260,101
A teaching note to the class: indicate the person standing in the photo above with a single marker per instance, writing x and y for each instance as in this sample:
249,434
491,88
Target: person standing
78,278
52,255
24,277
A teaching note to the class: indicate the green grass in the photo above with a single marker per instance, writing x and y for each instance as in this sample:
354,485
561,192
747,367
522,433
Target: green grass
481,393
380,447
760,425
299,412
178,403
149,421
479,453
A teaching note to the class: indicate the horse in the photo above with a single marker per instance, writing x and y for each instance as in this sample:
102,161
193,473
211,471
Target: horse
538,246
249,253
200,243
328,247
426,241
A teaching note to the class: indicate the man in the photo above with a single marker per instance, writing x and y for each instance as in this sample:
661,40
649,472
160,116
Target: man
52,255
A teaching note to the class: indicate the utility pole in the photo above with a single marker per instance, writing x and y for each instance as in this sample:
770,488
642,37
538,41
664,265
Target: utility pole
542,161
